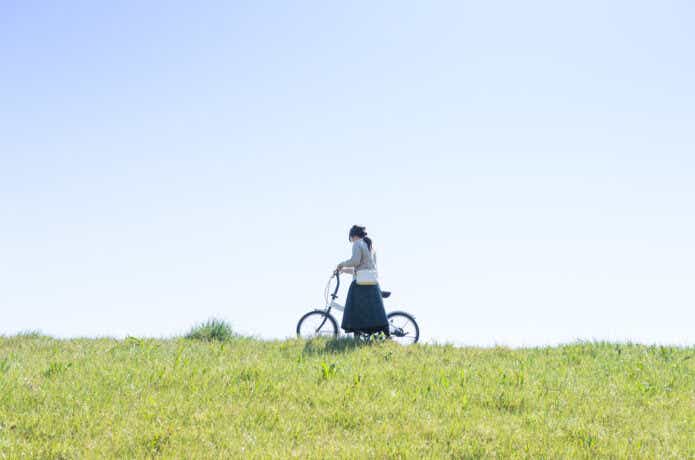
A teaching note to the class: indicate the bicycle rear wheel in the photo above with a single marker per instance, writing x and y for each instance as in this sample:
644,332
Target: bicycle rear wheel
317,323
403,328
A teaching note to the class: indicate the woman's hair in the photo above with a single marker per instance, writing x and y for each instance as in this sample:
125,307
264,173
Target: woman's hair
356,230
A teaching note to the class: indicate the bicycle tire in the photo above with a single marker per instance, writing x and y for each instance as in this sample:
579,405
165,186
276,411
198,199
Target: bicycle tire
332,329
411,319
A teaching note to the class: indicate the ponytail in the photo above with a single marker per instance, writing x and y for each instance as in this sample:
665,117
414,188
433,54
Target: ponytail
358,231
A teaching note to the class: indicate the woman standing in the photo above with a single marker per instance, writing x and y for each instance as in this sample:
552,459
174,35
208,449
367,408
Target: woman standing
364,307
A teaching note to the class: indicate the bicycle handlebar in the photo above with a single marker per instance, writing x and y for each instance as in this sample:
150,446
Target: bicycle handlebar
337,284
334,295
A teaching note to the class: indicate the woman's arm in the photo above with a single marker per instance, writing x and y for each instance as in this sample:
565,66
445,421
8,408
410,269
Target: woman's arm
354,260
348,270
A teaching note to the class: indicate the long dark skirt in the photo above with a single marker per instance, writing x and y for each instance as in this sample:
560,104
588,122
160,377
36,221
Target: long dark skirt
364,310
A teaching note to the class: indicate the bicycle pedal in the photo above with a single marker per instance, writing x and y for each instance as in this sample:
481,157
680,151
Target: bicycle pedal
398,332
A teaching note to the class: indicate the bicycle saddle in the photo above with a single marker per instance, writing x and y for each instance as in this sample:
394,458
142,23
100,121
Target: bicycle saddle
385,294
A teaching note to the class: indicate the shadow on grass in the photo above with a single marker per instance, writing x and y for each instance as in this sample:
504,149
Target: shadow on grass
339,345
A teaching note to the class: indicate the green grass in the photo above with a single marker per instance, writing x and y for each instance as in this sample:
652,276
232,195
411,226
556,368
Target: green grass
211,330
179,398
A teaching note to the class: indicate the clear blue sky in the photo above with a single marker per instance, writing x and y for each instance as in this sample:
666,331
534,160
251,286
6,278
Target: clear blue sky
527,169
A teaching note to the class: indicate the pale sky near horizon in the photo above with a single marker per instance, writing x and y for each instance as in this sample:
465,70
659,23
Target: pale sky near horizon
526,169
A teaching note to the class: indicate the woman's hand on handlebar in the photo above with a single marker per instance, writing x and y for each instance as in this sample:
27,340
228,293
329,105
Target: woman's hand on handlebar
340,269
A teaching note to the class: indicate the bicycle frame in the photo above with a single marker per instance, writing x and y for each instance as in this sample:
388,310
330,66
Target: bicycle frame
332,303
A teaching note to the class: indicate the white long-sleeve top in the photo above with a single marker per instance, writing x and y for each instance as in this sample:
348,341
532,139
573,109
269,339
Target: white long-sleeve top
362,258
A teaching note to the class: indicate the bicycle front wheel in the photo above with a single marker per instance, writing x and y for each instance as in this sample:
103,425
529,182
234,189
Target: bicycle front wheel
317,323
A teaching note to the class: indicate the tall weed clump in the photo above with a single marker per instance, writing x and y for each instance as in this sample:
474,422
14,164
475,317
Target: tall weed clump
211,330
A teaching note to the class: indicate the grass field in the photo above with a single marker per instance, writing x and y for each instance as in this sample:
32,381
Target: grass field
184,398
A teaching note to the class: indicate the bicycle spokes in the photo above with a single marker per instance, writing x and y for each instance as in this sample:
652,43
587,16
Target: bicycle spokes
403,328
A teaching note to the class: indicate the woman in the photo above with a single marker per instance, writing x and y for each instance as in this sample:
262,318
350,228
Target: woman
364,307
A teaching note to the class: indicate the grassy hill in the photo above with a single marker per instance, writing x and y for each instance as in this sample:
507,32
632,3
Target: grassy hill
243,397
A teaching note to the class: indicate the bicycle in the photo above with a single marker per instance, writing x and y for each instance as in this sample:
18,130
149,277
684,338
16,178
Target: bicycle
319,322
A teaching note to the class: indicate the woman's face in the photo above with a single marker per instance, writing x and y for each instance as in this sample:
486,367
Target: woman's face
354,238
